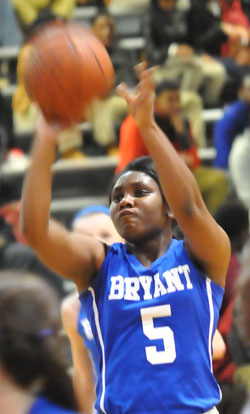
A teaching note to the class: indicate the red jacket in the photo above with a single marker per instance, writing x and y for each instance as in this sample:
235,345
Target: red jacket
131,146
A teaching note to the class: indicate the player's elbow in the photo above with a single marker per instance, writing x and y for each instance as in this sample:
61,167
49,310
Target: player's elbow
29,232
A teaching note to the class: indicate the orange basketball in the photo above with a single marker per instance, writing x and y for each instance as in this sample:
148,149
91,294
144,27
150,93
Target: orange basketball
67,67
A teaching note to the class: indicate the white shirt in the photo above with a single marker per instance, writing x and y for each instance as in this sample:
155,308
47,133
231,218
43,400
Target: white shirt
239,166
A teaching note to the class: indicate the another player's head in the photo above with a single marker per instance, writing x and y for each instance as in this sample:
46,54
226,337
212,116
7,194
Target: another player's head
95,220
167,102
31,353
138,207
232,216
103,27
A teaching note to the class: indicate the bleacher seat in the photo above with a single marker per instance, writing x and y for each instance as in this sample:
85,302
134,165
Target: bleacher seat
76,183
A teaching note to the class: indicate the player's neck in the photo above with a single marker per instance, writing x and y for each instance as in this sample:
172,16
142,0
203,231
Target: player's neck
148,250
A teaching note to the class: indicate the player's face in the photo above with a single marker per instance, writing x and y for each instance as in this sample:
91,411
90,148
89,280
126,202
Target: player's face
98,225
137,207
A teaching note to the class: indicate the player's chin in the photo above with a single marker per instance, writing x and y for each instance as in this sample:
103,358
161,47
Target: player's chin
131,233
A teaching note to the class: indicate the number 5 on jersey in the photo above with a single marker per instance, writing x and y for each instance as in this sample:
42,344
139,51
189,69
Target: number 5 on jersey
168,355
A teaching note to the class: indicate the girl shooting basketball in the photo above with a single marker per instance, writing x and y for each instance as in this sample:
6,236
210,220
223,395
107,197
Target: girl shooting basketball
152,303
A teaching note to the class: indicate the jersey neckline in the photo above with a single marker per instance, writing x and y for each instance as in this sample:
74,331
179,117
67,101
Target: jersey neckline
135,261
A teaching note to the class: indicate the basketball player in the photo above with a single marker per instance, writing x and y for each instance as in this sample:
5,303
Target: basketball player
152,303
93,220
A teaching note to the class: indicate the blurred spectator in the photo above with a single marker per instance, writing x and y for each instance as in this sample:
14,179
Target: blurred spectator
208,33
213,30
191,107
246,8
95,220
104,28
235,119
212,182
236,50
168,44
167,37
28,11
234,18
239,166
33,375
11,213
224,368
105,113
14,255
232,216
239,335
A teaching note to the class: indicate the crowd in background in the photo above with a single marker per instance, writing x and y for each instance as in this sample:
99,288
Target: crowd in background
202,53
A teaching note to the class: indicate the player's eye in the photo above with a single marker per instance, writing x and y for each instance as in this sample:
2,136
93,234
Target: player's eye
140,192
117,197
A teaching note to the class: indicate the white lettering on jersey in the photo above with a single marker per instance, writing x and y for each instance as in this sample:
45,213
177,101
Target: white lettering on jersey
160,289
129,288
186,270
117,288
173,280
132,286
146,281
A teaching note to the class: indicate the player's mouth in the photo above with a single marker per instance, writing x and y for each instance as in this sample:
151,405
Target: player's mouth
126,213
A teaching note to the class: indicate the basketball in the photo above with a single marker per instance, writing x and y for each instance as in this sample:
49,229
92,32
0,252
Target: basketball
66,67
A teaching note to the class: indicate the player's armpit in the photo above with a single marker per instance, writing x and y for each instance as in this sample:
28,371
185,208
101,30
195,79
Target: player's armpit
76,257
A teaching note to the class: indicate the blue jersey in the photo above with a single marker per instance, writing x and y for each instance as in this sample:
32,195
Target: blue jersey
43,406
84,329
153,328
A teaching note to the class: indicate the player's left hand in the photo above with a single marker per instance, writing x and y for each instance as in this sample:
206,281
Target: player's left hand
141,100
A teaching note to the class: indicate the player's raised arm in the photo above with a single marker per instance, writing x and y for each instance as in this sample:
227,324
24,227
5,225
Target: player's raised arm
74,256
206,241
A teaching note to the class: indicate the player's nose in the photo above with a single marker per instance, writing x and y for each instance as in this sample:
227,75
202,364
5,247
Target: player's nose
127,201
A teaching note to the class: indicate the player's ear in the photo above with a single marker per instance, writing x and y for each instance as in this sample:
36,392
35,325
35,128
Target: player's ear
169,212
171,215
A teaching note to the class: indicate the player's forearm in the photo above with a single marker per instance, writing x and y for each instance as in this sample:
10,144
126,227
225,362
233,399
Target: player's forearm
178,182
36,193
85,393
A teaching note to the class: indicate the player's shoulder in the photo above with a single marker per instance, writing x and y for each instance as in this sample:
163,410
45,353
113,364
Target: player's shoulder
176,246
114,255
114,250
